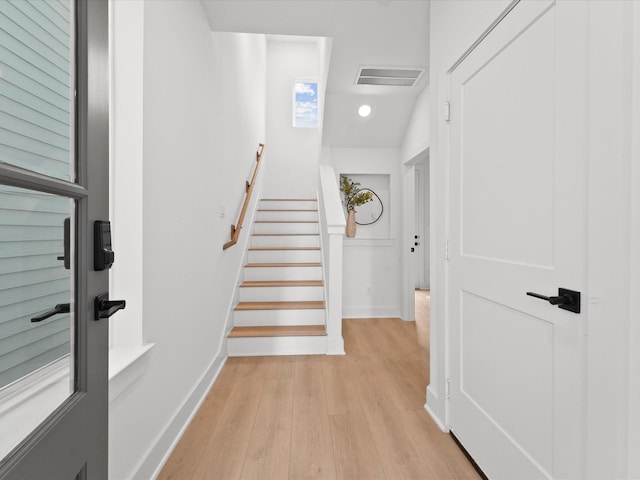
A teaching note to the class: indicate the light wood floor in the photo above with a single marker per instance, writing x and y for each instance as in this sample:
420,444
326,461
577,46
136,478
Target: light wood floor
358,416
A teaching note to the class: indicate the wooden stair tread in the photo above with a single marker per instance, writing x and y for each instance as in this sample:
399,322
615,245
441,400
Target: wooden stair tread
297,264
255,249
309,305
288,200
286,221
286,234
283,283
283,331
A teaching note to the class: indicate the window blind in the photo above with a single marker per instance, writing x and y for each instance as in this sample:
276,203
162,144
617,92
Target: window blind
36,87
36,133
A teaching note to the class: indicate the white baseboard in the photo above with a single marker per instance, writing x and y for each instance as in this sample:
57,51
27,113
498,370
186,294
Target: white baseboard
431,406
158,453
371,312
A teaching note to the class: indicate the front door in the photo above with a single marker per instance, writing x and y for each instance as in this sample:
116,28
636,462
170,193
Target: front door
53,186
518,136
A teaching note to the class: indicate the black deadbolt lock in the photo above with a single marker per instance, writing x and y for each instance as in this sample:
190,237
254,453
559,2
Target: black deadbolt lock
103,255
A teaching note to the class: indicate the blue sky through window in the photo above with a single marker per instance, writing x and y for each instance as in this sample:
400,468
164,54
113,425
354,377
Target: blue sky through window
306,105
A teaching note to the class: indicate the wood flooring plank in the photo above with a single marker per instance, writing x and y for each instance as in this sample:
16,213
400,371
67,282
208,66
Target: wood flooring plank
267,455
354,450
399,456
354,341
354,416
423,319
281,367
191,446
401,337
341,391
311,441
406,391
225,451
438,448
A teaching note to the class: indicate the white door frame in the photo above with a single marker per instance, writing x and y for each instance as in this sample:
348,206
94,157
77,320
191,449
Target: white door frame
419,225
408,257
612,340
633,446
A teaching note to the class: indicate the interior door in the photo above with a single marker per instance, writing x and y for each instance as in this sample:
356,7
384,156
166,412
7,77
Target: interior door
518,136
53,186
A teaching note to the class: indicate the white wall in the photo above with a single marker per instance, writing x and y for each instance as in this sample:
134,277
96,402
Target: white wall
376,262
417,136
293,152
204,115
455,25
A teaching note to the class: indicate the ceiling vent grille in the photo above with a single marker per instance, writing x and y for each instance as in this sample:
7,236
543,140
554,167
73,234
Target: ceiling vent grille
392,77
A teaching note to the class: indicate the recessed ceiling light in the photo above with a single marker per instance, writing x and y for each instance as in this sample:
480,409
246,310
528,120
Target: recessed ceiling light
364,111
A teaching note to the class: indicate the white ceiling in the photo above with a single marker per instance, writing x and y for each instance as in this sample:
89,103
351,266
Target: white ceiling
384,33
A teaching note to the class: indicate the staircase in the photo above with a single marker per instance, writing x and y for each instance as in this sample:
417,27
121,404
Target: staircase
281,308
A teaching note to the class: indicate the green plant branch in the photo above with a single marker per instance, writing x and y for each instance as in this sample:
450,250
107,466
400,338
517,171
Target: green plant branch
352,196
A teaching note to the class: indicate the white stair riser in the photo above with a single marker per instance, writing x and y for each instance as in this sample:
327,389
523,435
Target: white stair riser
288,216
284,228
285,241
278,318
266,204
280,294
281,256
282,273
263,346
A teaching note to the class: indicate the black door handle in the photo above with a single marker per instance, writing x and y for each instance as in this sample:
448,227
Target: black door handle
563,300
60,308
566,299
66,258
104,308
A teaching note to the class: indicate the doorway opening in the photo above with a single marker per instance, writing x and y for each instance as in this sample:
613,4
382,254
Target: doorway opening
417,259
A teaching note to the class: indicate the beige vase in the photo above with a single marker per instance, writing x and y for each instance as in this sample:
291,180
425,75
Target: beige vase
351,224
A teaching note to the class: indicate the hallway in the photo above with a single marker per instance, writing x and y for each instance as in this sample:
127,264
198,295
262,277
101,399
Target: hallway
358,416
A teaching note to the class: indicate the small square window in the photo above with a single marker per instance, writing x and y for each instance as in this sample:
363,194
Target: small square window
305,104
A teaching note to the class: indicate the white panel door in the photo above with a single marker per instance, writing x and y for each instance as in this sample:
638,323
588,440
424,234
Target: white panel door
518,136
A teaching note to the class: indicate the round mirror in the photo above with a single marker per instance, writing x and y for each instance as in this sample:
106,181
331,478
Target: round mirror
371,211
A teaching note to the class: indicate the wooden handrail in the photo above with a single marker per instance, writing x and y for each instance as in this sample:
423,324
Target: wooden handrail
235,229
